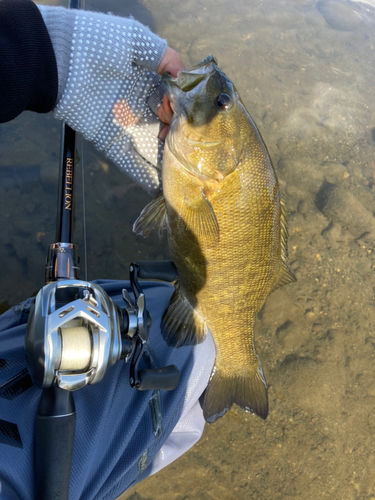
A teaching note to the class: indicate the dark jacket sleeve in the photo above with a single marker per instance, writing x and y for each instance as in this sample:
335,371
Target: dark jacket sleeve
28,70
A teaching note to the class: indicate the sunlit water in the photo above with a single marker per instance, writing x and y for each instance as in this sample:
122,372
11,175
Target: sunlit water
306,72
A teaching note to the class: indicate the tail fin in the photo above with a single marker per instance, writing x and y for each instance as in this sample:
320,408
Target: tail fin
247,389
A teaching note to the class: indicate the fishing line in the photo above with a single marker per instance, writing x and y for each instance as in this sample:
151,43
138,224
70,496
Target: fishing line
82,6
84,209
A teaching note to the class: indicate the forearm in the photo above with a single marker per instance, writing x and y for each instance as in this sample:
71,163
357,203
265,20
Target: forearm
28,68
35,52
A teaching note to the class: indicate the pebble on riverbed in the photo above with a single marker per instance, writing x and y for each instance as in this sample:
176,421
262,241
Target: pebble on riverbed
340,206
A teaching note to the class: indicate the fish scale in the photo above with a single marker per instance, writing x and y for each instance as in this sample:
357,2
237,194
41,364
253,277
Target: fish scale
227,232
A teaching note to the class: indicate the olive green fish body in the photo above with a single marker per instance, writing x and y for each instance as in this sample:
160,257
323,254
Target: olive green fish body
237,272
227,235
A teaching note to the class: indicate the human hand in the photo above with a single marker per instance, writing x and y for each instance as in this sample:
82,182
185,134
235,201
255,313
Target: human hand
171,63
113,92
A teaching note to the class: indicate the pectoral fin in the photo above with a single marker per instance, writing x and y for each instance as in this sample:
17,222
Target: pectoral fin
200,218
153,216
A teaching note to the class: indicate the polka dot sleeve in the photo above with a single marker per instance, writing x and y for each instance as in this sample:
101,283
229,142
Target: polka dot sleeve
111,91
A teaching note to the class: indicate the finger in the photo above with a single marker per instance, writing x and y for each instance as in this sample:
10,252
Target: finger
163,133
165,111
170,62
167,107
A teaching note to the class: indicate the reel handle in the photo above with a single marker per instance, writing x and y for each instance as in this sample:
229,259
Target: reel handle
166,378
163,270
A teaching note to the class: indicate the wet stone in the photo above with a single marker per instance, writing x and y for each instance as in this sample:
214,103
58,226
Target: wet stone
332,235
333,171
309,314
339,15
8,182
302,207
371,422
283,330
363,266
49,175
341,206
22,225
13,193
20,247
30,207
295,264
5,236
45,238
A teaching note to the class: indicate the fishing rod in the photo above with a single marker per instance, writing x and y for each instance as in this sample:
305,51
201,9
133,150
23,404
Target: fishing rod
75,332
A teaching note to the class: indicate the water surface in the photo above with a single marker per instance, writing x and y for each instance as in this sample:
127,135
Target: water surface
306,73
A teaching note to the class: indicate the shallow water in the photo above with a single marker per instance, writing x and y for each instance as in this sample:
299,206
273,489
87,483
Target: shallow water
306,72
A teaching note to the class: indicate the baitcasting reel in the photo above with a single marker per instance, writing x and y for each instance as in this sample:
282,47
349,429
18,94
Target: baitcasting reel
75,332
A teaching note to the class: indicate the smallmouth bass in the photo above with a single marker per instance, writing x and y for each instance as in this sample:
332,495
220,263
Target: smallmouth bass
227,232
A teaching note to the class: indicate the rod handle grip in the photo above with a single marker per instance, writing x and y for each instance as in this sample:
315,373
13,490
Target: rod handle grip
54,441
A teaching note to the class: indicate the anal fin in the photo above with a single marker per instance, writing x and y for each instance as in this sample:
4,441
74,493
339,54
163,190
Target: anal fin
283,277
181,324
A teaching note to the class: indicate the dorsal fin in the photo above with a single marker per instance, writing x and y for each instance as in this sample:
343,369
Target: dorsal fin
284,275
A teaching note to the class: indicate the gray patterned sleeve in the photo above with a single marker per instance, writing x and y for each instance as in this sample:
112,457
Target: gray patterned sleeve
108,88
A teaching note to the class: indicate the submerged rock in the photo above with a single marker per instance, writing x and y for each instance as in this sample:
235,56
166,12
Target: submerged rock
339,15
341,206
332,235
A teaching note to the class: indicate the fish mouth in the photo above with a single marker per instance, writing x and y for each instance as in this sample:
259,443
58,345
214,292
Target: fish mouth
188,80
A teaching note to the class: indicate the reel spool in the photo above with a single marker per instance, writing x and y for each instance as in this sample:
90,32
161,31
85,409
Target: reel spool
72,344
75,332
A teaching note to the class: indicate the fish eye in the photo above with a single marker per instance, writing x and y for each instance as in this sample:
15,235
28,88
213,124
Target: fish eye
223,102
